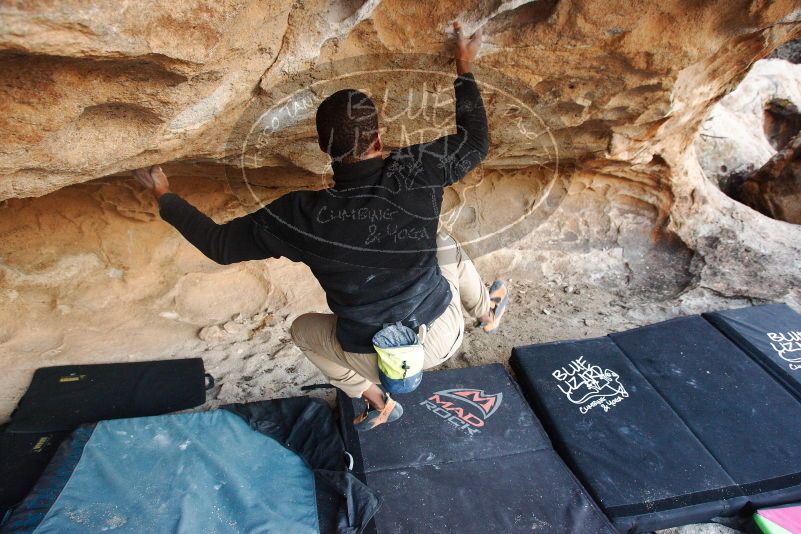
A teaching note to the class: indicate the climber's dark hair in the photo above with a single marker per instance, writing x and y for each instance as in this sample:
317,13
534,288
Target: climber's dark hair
347,124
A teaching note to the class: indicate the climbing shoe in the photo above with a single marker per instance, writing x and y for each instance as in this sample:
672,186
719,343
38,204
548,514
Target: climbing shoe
372,417
500,299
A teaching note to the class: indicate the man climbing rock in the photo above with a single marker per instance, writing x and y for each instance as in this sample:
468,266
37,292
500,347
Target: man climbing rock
396,287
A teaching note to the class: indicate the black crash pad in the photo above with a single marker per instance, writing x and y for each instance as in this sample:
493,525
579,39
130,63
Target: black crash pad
770,334
623,440
468,456
23,457
64,397
749,422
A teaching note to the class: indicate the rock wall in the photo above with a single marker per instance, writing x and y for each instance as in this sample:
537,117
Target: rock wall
738,143
91,90
592,179
732,140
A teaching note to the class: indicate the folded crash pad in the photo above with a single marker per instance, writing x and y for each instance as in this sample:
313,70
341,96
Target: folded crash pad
770,334
667,424
468,455
624,441
747,421
273,466
61,398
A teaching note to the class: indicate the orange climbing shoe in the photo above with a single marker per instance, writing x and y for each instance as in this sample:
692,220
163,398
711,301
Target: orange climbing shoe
500,298
371,417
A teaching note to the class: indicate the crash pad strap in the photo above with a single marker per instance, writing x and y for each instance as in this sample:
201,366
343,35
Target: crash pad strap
690,499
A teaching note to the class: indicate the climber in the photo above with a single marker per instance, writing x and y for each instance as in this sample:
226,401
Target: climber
372,242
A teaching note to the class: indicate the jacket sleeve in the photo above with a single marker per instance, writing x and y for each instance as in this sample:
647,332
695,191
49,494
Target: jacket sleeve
234,241
459,153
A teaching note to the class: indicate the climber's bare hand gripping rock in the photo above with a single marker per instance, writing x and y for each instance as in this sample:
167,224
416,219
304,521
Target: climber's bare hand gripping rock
154,179
373,245
466,49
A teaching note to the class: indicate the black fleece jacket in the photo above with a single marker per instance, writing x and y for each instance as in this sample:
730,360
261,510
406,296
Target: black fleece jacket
371,239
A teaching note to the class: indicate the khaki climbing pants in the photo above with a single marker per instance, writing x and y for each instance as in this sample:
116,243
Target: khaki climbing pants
353,373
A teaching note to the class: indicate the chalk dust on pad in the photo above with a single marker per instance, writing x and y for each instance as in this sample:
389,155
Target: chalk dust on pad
468,456
747,420
622,439
770,334
198,472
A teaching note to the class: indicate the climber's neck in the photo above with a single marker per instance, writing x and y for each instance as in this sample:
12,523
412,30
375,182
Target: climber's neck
364,170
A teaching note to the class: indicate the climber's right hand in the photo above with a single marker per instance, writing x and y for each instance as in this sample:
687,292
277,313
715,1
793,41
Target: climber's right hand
466,48
154,179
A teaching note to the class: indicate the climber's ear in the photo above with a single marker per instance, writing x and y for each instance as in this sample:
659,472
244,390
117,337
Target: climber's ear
378,144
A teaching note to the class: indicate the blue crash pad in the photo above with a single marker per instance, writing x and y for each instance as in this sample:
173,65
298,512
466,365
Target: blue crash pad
192,473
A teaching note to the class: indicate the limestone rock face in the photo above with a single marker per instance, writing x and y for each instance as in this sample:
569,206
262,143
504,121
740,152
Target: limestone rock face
733,140
91,89
782,122
593,178
775,189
